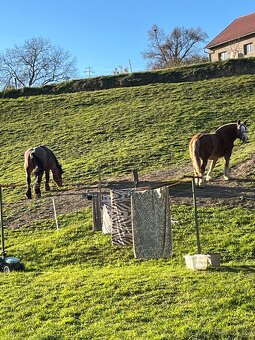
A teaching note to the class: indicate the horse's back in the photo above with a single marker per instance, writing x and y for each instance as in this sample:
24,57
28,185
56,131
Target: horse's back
45,155
42,153
212,146
206,143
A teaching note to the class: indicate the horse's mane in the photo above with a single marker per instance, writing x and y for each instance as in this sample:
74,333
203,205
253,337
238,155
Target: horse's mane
225,127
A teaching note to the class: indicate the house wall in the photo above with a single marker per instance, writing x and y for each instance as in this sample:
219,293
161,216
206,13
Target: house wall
233,50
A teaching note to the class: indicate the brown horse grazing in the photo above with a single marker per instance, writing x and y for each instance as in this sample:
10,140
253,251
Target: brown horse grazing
212,146
41,159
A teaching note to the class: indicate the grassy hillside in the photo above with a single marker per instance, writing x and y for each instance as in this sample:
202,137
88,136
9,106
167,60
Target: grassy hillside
147,127
77,285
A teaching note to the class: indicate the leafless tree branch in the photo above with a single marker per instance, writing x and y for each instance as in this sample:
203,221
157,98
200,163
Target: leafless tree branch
36,62
179,47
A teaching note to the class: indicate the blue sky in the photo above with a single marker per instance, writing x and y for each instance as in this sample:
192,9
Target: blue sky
103,34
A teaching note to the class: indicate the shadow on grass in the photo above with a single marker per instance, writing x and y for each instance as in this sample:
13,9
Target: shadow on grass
235,269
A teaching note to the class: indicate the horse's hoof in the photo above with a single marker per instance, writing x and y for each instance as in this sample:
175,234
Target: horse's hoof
47,188
200,186
38,194
29,194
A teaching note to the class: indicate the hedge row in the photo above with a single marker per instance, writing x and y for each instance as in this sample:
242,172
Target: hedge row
172,75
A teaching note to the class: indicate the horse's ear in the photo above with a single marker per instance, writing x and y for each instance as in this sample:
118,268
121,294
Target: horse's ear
239,122
245,122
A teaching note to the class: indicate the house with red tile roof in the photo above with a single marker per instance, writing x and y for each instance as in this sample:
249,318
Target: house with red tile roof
236,41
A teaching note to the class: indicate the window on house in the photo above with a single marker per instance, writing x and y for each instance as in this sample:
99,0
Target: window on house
248,48
223,55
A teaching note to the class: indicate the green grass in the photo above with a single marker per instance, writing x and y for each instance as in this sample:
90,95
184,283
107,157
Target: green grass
78,286
146,127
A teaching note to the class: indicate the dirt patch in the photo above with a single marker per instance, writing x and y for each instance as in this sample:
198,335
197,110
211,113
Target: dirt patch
28,212
238,192
234,193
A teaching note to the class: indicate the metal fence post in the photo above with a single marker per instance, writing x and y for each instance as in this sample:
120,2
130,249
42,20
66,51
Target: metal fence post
1,221
196,215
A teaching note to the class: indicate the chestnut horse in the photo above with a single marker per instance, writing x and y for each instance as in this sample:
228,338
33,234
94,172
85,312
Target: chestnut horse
41,159
212,146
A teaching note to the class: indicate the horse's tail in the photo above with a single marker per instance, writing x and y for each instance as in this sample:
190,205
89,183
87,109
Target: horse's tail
194,154
39,167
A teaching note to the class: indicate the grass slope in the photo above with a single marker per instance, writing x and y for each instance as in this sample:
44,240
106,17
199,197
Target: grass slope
77,285
147,127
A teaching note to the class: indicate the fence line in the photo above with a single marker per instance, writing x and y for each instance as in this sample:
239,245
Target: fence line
20,213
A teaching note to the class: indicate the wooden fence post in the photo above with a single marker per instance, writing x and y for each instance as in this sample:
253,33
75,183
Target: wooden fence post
135,176
55,213
96,212
100,186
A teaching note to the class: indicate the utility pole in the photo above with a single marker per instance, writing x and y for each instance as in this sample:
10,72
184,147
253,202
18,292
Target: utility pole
89,71
130,66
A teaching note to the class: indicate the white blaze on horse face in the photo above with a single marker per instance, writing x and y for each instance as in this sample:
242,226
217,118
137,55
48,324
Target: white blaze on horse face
243,133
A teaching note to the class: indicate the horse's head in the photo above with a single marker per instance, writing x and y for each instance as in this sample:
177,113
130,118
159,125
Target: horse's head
57,175
242,131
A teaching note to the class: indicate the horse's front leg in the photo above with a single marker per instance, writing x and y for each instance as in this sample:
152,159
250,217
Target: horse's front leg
28,179
47,180
212,165
38,183
226,168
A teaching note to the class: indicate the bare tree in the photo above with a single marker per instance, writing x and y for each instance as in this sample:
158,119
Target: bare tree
178,47
36,62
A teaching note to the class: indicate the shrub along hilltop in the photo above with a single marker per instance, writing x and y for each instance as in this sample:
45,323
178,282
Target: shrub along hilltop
191,73
77,285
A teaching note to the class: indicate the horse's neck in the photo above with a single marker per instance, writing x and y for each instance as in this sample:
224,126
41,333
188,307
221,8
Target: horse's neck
228,131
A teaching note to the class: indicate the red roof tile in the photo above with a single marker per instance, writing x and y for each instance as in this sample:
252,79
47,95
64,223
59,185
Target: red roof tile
238,28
